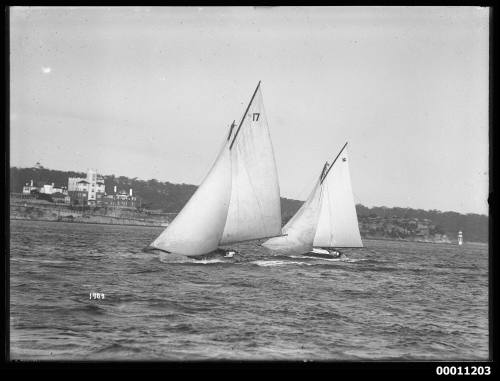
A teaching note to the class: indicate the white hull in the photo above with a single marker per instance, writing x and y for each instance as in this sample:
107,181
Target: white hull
319,251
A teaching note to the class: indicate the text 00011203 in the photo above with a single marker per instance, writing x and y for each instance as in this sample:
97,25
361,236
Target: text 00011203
463,370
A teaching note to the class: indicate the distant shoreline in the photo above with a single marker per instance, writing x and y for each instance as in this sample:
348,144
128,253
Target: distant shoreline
162,227
408,240
84,222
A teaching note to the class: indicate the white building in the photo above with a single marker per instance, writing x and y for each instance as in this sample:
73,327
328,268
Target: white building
119,199
28,187
45,188
93,184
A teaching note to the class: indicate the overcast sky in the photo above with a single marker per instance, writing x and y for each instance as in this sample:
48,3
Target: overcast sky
150,93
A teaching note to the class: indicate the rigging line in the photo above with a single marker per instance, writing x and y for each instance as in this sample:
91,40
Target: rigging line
357,198
209,165
301,193
331,165
244,115
306,183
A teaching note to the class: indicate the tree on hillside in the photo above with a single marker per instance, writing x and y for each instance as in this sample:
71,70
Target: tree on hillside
171,198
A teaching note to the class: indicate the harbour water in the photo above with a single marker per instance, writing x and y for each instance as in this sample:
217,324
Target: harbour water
389,301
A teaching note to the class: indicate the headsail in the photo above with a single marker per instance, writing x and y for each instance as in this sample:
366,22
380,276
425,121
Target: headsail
254,209
198,227
338,222
301,228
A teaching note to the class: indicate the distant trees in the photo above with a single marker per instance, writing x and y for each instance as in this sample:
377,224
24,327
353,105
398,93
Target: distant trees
170,198
20,176
289,208
474,226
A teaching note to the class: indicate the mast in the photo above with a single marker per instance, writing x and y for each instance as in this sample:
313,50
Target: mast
331,166
244,114
325,168
231,130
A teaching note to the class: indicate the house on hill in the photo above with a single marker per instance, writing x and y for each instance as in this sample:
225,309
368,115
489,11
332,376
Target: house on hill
118,199
91,186
43,187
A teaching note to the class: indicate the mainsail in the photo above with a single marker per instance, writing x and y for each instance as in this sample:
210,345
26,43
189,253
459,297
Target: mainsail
300,230
238,199
338,222
255,209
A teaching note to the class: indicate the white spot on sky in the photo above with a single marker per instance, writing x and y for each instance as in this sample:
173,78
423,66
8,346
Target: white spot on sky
46,69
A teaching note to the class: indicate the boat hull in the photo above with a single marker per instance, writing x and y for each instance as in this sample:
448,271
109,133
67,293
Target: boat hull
218,253
322,253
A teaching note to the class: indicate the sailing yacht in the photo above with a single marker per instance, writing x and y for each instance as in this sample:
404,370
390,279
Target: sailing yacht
338,222
327,220
238,200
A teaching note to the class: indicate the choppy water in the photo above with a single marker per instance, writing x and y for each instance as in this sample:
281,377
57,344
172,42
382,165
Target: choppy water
392,300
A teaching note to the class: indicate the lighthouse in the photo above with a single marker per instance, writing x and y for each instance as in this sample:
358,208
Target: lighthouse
460,238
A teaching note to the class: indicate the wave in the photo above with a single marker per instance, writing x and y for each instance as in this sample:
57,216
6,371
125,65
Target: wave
345,259
128,254
269,263
48,261
117,348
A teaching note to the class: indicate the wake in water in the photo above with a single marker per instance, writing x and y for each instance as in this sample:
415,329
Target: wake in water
170,258
271,263
306,260
342,259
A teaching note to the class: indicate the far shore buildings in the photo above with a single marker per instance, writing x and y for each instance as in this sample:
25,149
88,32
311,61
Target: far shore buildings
86,189
42,190
89,190
118,198
43,187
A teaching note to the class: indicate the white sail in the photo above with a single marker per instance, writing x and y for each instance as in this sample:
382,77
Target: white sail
299,232
254,209
198,227
338,222
238,199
